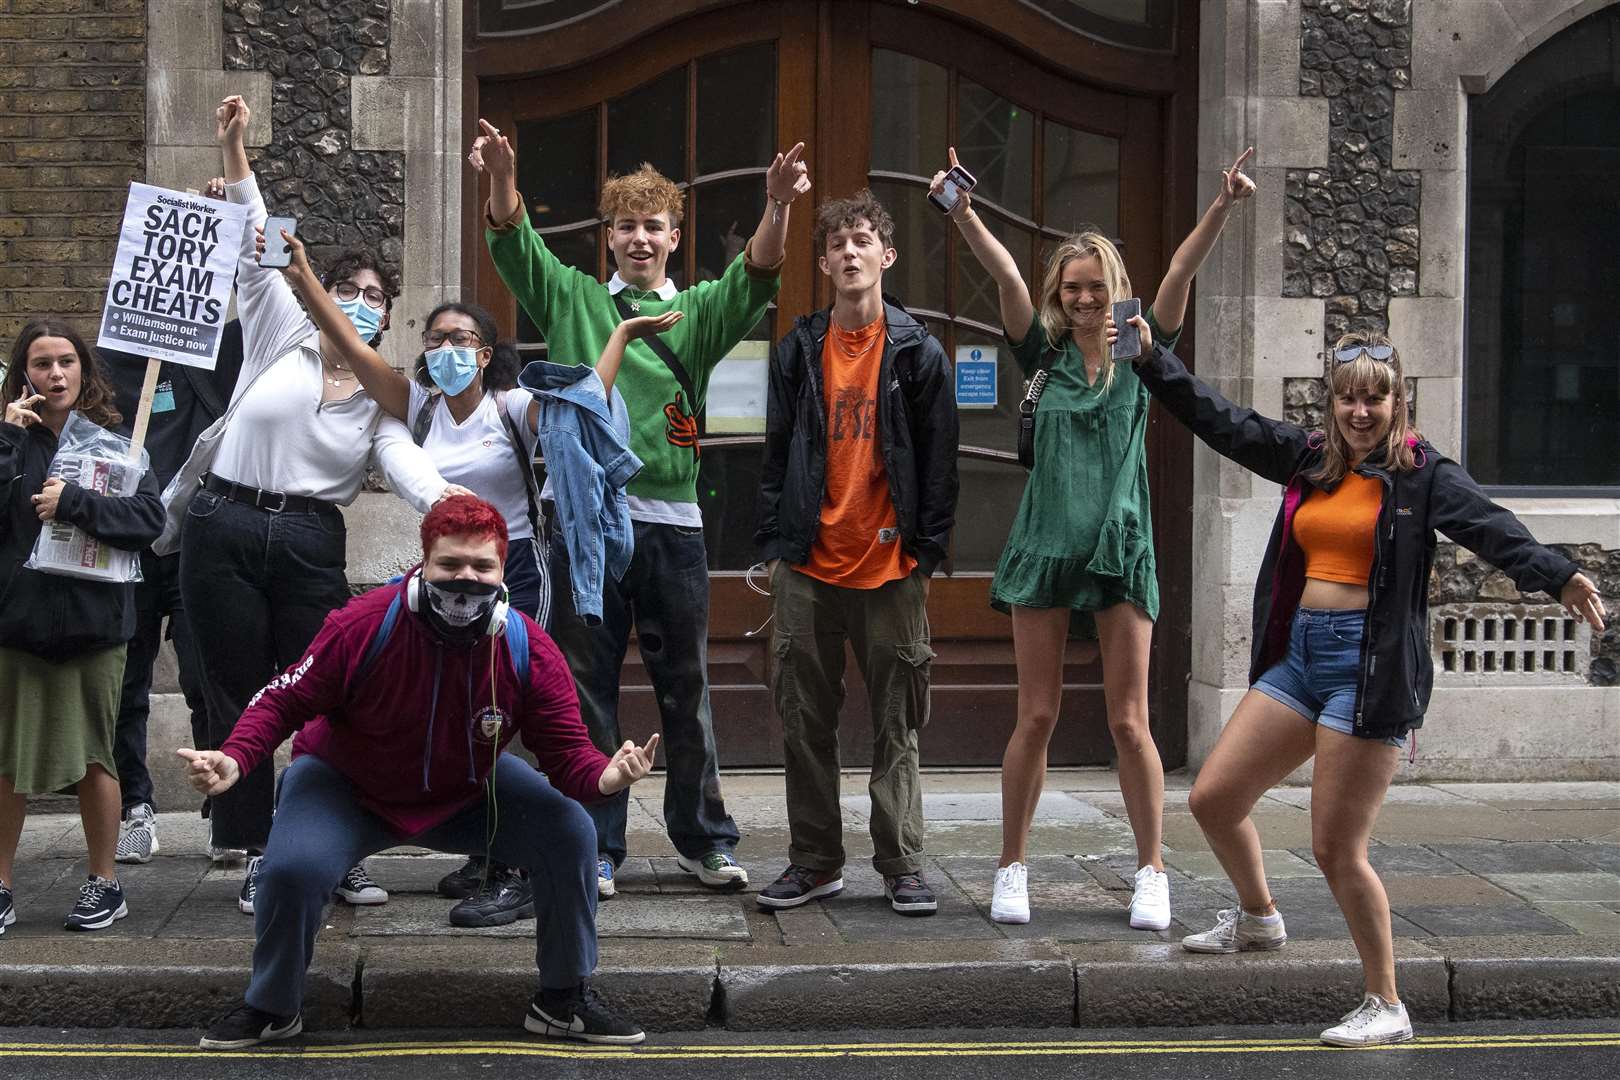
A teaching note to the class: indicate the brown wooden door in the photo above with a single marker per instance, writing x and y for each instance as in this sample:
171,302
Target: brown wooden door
707,91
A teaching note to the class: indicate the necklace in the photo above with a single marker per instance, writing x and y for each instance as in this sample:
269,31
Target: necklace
341,379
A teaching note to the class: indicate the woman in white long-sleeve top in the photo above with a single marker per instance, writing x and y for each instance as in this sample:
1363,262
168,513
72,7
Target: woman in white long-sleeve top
262,548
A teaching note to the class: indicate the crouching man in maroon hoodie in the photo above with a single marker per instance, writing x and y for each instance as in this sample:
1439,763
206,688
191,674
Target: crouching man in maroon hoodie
396,745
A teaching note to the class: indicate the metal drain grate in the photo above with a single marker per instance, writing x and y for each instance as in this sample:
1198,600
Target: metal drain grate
1502,643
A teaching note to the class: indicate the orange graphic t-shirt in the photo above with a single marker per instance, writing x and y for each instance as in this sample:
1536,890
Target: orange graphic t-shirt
858,543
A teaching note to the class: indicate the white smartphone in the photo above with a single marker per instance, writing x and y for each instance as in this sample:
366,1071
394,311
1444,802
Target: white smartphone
276,252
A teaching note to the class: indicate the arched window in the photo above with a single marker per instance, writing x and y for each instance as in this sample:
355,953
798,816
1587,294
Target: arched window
1542,373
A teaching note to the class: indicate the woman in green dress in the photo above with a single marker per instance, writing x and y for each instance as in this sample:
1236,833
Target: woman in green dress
1079,559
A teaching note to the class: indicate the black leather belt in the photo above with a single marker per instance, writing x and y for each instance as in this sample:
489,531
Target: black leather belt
277,502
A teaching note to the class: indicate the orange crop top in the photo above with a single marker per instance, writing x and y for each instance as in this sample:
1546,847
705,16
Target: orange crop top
1336,531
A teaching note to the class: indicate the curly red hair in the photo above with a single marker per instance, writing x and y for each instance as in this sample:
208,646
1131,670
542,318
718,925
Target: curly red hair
464,515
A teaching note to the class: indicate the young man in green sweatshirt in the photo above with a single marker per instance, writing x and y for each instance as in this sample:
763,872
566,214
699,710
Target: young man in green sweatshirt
665,592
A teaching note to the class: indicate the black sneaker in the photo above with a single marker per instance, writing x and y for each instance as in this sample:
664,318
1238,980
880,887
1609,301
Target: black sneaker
799,885
8,909
358,888
579,1014
463,882
100,904
246,1026
909,894
507,898
250,885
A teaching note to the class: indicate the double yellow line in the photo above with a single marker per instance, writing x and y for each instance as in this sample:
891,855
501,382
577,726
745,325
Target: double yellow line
806,1051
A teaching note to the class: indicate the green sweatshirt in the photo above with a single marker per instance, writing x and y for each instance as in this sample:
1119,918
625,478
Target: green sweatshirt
576,314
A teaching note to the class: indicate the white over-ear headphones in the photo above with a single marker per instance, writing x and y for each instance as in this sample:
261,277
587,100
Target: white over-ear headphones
497,614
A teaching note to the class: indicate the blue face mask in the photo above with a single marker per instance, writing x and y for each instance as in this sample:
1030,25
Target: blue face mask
452,368
366,319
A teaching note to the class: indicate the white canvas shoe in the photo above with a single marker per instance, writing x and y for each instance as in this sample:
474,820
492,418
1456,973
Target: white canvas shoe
1150,903
1235,930
1372,1023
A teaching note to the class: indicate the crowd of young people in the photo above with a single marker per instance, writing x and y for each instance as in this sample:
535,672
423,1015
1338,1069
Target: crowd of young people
516,621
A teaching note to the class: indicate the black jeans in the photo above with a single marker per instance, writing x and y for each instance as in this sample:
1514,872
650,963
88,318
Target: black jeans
157,595
257,587
665,595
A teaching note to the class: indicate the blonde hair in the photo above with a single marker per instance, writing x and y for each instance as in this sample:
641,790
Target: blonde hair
645,191
1379,377
1082,245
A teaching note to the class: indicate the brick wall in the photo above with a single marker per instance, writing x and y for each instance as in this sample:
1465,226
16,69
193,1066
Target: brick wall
72,131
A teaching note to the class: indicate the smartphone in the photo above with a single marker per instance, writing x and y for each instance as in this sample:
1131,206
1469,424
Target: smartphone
1128,346
957,181
276,252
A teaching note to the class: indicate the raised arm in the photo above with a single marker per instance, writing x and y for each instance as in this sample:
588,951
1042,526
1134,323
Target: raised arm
387,387
1170,304
492,153
1017,310
785,180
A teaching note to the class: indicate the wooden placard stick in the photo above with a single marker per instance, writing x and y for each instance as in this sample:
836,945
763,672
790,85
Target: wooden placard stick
143,410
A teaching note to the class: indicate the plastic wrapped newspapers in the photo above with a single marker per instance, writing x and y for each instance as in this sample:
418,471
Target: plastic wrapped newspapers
96,460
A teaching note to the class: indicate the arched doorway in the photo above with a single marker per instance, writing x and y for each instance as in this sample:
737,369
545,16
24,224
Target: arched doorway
707,91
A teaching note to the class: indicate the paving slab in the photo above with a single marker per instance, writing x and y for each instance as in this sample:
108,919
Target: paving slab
1559,795
706,918
480,984
1303,982
1451,890
903,985
1446,921
1498,857
1279,827
942,807
1204,866
1583,916
1552,977
1598,887
1604,856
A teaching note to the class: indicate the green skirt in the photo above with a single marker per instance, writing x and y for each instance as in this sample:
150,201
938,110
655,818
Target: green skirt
57,717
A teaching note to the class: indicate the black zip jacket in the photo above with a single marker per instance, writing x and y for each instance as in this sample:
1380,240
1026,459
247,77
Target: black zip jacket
1397,673
917,432
49,615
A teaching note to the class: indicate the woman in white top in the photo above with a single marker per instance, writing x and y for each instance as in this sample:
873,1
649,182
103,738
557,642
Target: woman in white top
262,548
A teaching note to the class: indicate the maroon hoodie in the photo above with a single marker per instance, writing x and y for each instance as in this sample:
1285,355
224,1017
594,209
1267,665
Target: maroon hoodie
411,735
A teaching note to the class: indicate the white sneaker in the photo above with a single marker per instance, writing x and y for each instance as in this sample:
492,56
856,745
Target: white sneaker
1150,903
1236,930
137,840
1010,904
226,856
1372,1023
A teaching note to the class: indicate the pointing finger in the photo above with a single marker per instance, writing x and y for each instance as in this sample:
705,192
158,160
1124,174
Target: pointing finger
951,153
652,745
1243,157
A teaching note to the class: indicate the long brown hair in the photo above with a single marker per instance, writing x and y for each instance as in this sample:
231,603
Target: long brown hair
1379,377
95,403
1082,245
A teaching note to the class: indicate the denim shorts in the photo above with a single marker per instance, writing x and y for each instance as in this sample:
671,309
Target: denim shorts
1318,677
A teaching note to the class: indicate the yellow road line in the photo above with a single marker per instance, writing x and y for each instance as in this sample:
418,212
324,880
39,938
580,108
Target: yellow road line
1573,1040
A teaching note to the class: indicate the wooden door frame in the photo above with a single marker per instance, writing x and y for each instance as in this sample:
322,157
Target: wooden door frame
675,31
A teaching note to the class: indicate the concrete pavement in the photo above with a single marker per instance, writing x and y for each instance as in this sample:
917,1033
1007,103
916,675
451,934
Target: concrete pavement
1506,902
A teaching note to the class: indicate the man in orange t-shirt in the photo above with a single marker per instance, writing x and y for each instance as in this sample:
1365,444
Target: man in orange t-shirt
857,499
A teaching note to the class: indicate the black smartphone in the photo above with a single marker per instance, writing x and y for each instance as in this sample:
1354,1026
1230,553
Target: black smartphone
1128,345
957,181
276,252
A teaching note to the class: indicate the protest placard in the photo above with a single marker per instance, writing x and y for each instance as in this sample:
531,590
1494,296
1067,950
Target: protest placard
172,277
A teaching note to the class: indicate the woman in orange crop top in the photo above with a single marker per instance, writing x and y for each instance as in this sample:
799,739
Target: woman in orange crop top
1340,668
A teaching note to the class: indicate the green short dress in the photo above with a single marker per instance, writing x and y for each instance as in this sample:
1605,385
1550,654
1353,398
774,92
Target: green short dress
1083,536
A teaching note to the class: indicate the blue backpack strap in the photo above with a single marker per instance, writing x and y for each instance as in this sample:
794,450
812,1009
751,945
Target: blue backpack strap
385,630
517,646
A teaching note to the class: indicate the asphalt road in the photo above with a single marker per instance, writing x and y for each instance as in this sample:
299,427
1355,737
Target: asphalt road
1567,1050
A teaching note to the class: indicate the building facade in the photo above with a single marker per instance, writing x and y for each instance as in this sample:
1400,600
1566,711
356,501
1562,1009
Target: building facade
1444,169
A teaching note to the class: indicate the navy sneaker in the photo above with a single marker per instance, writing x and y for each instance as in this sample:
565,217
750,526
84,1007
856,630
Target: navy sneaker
357,887
604,879
580,1014
909,894
246,1026
250,885
100,904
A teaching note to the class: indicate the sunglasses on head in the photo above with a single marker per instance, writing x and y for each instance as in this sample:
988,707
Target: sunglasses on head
1351,353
